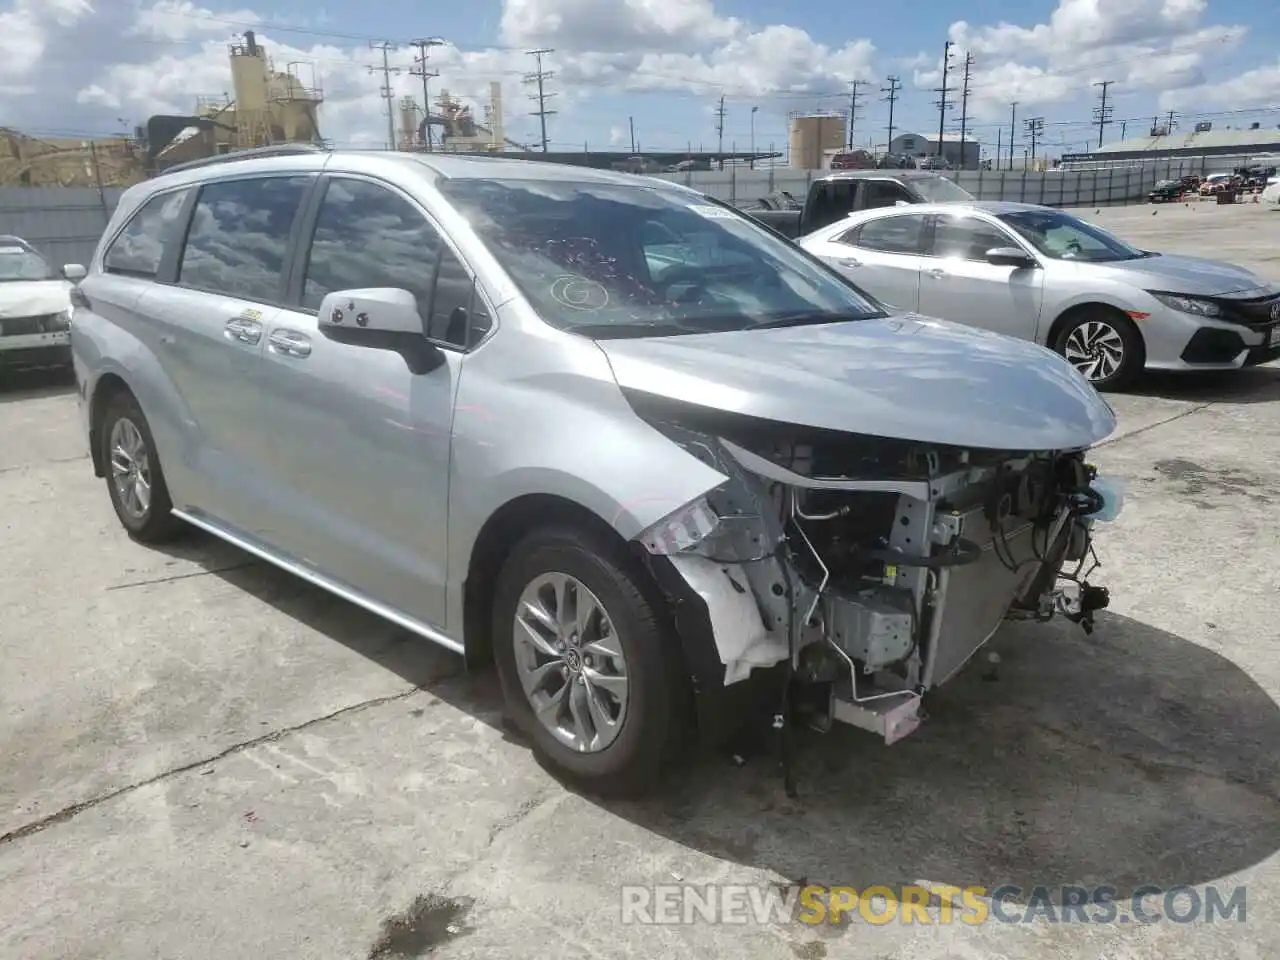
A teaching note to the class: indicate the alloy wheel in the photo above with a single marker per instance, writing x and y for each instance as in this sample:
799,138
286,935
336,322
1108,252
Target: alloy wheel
1096,349
570,662
130,468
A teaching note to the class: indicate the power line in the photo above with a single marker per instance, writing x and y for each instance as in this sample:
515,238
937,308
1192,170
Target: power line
942,101
540,77
387,93
1102,112
854,102
420,70
892,90
964,105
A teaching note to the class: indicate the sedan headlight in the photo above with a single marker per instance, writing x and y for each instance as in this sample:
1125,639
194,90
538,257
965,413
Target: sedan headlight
1185,304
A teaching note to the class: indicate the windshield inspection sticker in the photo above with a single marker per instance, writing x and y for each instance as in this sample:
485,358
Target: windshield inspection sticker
714,213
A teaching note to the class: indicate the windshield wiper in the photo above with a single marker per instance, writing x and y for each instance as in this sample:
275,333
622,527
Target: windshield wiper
619,331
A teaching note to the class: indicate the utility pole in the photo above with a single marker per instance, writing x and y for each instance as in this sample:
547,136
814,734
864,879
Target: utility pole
1102,112
1035,128
387,93
720,115
1172,123
964,107
1013,125
540,77
854,102
892,90
419,69
631,121
942,101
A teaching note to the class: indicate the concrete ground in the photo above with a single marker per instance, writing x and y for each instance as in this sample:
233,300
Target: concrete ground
203,758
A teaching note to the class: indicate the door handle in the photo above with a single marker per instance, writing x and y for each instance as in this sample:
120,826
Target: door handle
243,331
936,272
849,262
290,343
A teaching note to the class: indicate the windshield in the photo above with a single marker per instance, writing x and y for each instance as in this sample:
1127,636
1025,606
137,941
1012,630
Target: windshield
1165,183
608,260
1063,237
20,263
940,190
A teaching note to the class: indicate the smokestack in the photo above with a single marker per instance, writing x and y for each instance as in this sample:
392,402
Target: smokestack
251,43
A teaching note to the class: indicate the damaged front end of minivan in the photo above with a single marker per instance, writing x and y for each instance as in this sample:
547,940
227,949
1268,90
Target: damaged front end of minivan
872,568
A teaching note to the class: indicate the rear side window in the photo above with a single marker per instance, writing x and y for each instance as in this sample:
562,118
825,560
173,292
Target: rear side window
369,236
883,193
889,235
138,249
832,200
239,237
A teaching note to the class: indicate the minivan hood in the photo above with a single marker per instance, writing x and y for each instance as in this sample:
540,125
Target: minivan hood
905,377
1174,273
33,298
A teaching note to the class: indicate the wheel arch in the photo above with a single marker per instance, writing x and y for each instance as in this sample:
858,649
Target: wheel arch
504,528
109,385
1076,310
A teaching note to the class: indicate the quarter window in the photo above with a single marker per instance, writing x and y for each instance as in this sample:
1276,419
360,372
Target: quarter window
239,237
138,249
888,235
368,236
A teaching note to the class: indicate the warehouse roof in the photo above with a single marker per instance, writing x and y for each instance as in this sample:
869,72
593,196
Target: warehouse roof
1211,140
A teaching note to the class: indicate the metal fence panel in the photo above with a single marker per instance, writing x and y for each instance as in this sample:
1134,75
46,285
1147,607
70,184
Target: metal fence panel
63,223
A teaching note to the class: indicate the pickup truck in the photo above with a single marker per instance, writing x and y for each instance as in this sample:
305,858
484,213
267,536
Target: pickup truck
835,195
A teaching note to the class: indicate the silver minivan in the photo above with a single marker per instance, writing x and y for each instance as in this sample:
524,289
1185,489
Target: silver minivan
644,454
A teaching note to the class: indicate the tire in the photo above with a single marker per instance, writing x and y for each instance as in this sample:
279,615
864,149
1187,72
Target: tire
626,760
149,519
1113,336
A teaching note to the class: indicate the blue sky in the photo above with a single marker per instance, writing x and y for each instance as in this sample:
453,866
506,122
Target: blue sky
99,66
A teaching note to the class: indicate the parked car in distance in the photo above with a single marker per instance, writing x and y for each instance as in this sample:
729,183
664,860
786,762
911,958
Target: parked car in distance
1216,182
1042,274
835,195
35,308
1166,190
640,450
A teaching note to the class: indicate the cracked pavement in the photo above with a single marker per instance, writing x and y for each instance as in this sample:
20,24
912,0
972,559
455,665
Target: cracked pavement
201,757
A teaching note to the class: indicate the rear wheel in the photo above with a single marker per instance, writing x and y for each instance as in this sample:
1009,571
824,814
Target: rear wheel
1105,346
135,481
588,665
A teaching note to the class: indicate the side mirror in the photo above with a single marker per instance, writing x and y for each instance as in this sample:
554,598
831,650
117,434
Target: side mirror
74,272
1010,257
380,318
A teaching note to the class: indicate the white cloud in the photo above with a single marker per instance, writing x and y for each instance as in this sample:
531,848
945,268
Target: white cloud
25,30
1257,86
181,20
1142,45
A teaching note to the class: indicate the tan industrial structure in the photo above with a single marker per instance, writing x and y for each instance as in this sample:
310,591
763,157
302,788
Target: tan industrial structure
813,138
458,131
43,162
268,107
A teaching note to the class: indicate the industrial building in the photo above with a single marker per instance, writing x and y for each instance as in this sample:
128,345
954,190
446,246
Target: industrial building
964,155
1227,146
266,106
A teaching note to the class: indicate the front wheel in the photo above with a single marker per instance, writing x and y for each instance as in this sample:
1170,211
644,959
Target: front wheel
1105,346
586,658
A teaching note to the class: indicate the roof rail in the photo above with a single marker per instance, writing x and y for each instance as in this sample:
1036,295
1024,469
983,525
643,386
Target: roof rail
252,153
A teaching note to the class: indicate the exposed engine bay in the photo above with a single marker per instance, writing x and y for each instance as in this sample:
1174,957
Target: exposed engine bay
874,568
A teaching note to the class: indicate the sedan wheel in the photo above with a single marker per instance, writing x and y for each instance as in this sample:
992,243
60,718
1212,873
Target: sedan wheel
1095,349
1105,347
135,480
570,662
